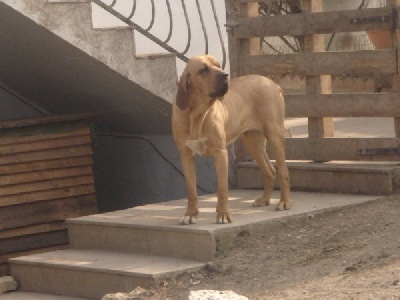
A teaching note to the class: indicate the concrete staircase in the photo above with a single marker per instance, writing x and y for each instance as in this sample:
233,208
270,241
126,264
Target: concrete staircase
118,251
60,56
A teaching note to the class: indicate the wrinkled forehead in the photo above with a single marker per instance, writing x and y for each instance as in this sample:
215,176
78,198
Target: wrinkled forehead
202,61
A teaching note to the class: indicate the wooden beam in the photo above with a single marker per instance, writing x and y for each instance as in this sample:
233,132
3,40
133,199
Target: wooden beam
46,155
28,242
44,145
20,138
326,149
343,105
51,194
21,178
361,63
395,36
239,48
13,217
46,185
314,23
317,83
46,165
35,229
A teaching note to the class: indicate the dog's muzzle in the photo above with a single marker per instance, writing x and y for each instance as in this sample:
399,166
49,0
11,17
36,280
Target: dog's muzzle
221,85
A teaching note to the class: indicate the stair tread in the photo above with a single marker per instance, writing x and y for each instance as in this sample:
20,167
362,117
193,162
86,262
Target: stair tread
110,262
165,216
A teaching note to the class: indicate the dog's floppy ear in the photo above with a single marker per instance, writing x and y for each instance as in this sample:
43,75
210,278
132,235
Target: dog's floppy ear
182,97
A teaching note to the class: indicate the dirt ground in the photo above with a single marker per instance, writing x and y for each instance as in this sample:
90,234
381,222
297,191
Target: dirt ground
351,253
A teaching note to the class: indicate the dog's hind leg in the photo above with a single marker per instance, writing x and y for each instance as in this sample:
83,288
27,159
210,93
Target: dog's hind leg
254,142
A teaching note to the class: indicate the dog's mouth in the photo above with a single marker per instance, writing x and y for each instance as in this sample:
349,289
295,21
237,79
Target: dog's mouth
220,90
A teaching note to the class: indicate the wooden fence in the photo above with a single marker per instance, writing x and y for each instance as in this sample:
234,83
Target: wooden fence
318,104
45,177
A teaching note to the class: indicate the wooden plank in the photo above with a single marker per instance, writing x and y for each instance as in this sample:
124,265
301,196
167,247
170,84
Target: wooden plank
29,242
343,105
45,145
364,63
46,155
46,211
46,165
35,229
239,47
326,149
46,185
20,178
34,121
313,23
320,84
43,136
64,192
395,37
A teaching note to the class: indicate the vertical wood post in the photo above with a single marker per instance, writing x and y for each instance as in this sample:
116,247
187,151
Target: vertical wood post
396,45
238,48
317,127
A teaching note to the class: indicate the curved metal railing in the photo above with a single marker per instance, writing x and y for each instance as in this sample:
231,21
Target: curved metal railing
129,19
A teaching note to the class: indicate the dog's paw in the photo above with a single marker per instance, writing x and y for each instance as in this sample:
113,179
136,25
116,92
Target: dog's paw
224,218
260,202
187,220
283,205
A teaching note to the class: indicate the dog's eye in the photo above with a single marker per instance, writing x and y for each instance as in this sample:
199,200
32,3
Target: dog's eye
204,70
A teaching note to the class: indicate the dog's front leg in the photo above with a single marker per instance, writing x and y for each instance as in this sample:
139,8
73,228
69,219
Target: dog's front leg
189,171
221,167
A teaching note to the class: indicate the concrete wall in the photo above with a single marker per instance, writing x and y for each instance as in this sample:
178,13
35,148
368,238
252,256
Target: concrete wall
133,170
13,106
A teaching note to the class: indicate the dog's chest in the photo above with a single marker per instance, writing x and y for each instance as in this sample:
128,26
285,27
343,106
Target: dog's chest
199,133
197,146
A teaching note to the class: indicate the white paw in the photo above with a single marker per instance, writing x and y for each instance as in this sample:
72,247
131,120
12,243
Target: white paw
186,220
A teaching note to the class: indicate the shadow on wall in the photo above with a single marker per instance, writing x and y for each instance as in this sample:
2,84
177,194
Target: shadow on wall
132,170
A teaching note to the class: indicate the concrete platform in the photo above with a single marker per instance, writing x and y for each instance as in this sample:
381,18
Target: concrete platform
118,251
144,229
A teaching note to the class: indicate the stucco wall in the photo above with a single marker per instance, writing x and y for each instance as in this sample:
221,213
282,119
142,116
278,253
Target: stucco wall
14,107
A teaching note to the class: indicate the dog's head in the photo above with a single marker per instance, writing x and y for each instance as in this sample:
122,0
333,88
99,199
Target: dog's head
203,76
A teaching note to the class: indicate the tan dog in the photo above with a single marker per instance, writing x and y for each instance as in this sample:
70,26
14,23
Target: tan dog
207,116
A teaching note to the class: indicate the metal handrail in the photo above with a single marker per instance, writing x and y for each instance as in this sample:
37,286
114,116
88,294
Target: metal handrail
182,55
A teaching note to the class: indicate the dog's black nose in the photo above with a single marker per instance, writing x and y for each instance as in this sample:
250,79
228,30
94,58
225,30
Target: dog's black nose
223,75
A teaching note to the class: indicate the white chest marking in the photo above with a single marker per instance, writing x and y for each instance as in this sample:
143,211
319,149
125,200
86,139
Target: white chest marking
198,146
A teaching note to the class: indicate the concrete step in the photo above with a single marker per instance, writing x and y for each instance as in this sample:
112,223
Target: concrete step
35,296
92,274
330,177
153,228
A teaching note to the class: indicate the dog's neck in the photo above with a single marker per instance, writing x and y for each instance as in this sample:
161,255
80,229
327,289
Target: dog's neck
198,111
198,106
